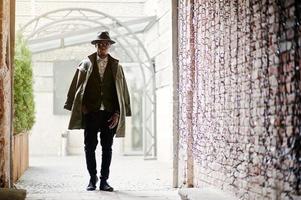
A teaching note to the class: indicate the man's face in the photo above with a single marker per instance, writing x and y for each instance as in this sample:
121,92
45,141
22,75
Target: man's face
102,48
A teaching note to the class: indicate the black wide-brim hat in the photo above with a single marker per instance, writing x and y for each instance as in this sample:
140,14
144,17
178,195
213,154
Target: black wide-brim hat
103,36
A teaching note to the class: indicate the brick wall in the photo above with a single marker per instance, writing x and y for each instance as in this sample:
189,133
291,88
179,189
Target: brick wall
239,96
5,91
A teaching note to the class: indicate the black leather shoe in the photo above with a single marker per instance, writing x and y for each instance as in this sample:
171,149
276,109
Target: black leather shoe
104,186
92,184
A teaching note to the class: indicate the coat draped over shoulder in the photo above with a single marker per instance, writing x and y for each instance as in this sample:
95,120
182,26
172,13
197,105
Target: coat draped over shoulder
77,89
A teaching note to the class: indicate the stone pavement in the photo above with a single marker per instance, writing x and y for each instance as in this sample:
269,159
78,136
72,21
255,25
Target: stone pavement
133,178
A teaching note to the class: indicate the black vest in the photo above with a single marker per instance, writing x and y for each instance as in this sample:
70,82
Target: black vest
97,91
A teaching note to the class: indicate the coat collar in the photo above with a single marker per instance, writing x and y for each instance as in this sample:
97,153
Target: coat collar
93,58
112,62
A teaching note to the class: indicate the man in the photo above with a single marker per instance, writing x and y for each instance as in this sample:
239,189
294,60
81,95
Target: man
98,99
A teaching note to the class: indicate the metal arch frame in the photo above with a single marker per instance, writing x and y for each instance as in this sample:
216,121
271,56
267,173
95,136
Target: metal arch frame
118,22
101,25
150,19
55,22
150,67
71,19
63,45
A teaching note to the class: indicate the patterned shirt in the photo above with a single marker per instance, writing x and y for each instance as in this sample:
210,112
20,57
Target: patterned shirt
102,64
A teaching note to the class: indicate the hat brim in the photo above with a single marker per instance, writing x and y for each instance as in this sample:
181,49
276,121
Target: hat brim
99,40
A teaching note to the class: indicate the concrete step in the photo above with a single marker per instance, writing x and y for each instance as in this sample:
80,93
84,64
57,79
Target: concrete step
204,194
12,194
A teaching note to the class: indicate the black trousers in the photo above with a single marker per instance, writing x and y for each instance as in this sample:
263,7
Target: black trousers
98,122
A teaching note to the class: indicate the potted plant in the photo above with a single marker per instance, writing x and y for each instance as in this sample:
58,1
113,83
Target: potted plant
24,107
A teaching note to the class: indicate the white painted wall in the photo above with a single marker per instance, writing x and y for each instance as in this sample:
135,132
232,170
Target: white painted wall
158,42
127,9
45,138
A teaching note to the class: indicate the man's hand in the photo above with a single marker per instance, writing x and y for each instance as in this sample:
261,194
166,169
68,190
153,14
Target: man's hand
113,120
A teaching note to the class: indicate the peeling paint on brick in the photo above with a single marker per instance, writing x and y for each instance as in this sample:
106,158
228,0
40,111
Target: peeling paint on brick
5,93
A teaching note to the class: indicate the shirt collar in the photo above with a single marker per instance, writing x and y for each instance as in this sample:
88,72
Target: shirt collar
98,59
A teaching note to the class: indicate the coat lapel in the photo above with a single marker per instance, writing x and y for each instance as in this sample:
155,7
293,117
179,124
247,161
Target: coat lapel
113,64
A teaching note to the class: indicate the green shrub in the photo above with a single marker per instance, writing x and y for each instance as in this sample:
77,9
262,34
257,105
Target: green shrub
24,107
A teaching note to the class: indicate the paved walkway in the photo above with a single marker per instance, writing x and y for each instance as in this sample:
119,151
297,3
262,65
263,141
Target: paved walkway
57,178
